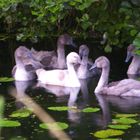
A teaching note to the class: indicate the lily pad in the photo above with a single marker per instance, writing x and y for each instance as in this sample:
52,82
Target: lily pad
121,126
124,121
111,139
54,126
9,123
107,133
59,108
90,109
18,138
6,79
21,113
126,115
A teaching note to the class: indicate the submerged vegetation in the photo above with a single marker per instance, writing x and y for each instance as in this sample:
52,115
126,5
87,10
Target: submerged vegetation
118,21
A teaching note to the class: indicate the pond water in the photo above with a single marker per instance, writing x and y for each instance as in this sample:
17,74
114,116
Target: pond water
81,124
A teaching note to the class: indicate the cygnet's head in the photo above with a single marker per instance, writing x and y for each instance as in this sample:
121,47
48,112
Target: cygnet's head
22,51
130,52
73,58
83,50
131,48
101,62
66,39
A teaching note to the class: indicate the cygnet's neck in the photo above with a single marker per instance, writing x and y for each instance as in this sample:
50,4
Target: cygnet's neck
82,70
134,66
61,55
19,62
103,81
72,74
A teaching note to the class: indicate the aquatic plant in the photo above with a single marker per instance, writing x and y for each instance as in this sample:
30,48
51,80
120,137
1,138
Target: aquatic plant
107,133
90,109
54,126
6,79
21,113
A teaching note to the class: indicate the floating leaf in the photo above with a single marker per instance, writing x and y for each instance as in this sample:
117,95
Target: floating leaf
2,101
61,108
121,126
107,133
6,79
111,139
18,138
54,126
126,115
9,123
21,113
90,109
124,121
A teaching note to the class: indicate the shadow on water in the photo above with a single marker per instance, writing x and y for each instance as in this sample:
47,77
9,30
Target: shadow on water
80,124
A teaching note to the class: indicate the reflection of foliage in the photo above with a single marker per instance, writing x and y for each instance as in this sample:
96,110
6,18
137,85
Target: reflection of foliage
87,18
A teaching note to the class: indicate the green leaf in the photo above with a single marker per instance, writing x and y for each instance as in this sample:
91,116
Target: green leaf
133,32
18,138
85,25
121,126
125,115
107,133
54,126
90,109
6,79
108,49
9,123
111,139
21,113
59,108
136,41
124,121
2,101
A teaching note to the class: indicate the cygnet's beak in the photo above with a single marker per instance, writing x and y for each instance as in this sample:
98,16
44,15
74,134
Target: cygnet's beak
30,55
129,55
93,66
81,54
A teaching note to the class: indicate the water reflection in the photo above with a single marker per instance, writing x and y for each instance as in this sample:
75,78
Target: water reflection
81,98
124,104
111,104
21,89
62,93
105,118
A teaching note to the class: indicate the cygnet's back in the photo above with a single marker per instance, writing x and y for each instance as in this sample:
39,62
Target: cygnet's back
66,77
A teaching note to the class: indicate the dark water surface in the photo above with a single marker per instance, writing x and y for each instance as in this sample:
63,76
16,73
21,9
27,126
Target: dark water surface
81,124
